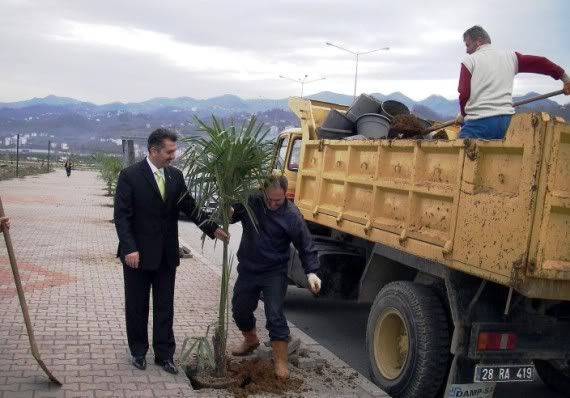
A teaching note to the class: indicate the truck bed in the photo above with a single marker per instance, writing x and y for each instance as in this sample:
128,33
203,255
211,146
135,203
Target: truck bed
496,209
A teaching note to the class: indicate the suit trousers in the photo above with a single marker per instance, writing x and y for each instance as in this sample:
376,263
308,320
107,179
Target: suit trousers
138,284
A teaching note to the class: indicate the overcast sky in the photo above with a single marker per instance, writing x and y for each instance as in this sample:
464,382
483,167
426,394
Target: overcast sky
132,50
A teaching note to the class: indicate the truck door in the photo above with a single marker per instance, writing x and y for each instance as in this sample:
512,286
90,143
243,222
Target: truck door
293,165
280,154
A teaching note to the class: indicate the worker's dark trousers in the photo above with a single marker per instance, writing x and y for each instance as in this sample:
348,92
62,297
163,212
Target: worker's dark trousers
247,291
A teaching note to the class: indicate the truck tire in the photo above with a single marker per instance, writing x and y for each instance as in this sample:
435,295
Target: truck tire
407,340
555,374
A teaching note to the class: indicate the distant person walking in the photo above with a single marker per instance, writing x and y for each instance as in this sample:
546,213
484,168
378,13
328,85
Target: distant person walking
486,84
68,167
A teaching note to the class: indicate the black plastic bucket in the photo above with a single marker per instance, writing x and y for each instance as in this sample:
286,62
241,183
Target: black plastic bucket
373,125
362,105
338,121
333,134
391,108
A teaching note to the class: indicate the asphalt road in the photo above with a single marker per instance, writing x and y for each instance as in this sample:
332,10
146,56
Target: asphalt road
338,325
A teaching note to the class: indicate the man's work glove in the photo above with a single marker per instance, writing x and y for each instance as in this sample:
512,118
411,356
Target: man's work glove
314,283
566,81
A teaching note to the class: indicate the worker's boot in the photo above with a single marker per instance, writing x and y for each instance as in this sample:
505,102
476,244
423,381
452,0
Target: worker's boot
248,345
280,359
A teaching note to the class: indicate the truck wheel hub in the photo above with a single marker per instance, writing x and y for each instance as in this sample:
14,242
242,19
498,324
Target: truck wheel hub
391,344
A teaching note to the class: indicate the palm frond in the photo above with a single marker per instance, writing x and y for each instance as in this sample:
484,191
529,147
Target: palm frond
227,164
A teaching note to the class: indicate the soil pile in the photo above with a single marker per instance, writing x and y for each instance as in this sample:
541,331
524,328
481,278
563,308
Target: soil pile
258,376
406,124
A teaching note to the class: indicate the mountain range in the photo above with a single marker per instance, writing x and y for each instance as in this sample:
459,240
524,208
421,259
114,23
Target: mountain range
231,103
68,117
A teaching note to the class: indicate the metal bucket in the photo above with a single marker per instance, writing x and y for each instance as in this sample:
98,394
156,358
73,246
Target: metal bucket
362,105
391,108
338,121
373,125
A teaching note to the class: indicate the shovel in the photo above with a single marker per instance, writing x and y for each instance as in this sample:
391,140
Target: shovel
23,305
521,102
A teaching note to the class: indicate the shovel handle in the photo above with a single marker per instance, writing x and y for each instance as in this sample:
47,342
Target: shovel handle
22,298
439,126
538,97
518,103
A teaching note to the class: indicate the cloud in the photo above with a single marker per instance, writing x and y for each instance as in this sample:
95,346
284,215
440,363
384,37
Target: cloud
133,50
192,57
440,36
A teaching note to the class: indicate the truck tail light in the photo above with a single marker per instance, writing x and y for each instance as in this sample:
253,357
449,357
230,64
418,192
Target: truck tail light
491,341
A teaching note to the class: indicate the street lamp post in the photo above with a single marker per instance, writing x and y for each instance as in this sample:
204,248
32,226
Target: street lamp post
302,81
17,154
357,55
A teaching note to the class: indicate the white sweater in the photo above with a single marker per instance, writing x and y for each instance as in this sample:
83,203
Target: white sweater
492,74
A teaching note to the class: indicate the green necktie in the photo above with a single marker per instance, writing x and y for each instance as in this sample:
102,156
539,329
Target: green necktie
160,182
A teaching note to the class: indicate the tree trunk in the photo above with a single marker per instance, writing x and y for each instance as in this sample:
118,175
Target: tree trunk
220,336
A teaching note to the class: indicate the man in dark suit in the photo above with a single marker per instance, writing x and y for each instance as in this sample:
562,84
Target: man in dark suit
149,196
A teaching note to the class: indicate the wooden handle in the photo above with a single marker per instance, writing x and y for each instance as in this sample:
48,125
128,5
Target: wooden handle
518,103
439,126
22,298
538,97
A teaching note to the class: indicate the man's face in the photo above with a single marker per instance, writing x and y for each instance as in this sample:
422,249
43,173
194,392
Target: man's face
163,156
471,45
274,198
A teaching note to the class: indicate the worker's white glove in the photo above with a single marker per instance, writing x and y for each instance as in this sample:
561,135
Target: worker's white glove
314,283
566,87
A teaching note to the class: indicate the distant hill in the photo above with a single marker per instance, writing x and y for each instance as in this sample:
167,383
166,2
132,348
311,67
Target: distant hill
49,100
344,99
426,113
68,117
440,105
230,103
397,96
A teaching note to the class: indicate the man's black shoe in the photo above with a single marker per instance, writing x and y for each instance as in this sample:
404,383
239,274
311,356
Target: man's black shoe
167,365
139,363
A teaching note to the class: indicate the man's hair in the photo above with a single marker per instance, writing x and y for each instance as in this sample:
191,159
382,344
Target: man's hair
276,182
476,32
157,137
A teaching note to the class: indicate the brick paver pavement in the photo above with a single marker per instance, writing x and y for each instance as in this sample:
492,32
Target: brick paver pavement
65,246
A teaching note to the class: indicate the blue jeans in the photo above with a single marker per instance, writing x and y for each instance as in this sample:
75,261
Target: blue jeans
247,291
490,128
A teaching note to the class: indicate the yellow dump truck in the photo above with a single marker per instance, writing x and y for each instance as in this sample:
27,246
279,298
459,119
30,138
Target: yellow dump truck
462,246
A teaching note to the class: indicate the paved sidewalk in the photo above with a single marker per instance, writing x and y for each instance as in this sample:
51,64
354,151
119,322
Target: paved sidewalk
65,246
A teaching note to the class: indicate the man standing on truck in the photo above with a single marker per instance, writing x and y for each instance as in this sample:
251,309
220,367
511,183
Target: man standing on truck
263,256
486,84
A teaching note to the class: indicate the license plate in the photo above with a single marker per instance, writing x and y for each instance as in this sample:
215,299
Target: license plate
503,373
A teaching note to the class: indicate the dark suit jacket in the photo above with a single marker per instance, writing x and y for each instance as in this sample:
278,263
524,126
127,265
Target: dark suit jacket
149,225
